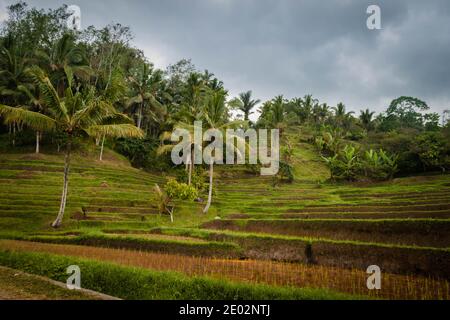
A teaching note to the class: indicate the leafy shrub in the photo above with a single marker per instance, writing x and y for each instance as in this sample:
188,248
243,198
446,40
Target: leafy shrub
163,202
176,190
400,142
286,172
430,149
350,165
197,178
379,165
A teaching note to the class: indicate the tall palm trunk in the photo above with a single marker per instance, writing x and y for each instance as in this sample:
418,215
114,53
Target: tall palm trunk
10,133
62,207
190,174
211,174
38,137
101,150
191,165
14,134
140,114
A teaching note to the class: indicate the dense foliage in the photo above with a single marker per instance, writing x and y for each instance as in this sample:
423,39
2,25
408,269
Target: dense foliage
43,63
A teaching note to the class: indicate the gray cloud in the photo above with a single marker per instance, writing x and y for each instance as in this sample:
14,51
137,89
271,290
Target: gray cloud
296,47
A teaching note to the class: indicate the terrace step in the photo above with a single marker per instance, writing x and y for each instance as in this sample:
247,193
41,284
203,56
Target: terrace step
406,195
440,214
135,210
366,204
371,207
418,232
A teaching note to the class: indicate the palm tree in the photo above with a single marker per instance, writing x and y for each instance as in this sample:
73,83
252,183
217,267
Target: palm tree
192,109
339,110
165,148
195,93
308,103
341,115
146,84
274,114
215,116
278,112
13,72
366,119
65,57
320,113
74,112
245,104
295,107
115,126
15,82
22,116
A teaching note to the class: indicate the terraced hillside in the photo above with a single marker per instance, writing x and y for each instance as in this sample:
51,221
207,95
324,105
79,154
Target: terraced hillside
346,225
31,188
302,234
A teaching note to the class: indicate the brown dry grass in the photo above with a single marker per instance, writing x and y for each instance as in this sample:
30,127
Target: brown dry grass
254,271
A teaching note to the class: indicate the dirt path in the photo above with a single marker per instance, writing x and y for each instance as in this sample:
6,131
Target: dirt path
17,285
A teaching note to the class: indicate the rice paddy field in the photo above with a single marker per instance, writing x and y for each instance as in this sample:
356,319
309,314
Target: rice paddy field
274,240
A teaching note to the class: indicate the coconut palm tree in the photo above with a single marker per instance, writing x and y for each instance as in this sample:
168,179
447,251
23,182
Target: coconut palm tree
22,116
216,117
15,82
245,104
320,113
192,109
342,117
116,125
13,72
166,148
65,57
366,119
274,114
74,112
145,85
308,103
295,107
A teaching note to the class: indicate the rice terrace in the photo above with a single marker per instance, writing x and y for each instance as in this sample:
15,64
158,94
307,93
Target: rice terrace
359,207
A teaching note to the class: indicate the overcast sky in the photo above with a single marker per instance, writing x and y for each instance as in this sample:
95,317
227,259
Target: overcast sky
294,47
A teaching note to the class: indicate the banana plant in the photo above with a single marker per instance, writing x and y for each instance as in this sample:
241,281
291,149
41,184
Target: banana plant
390,163
333,164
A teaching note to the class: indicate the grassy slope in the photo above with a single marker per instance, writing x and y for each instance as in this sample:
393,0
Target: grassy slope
120,198
112,191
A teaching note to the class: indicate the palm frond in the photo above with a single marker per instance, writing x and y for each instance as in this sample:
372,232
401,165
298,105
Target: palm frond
115,131
94,113
164,149
133,100
34,120
165,136
48,92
